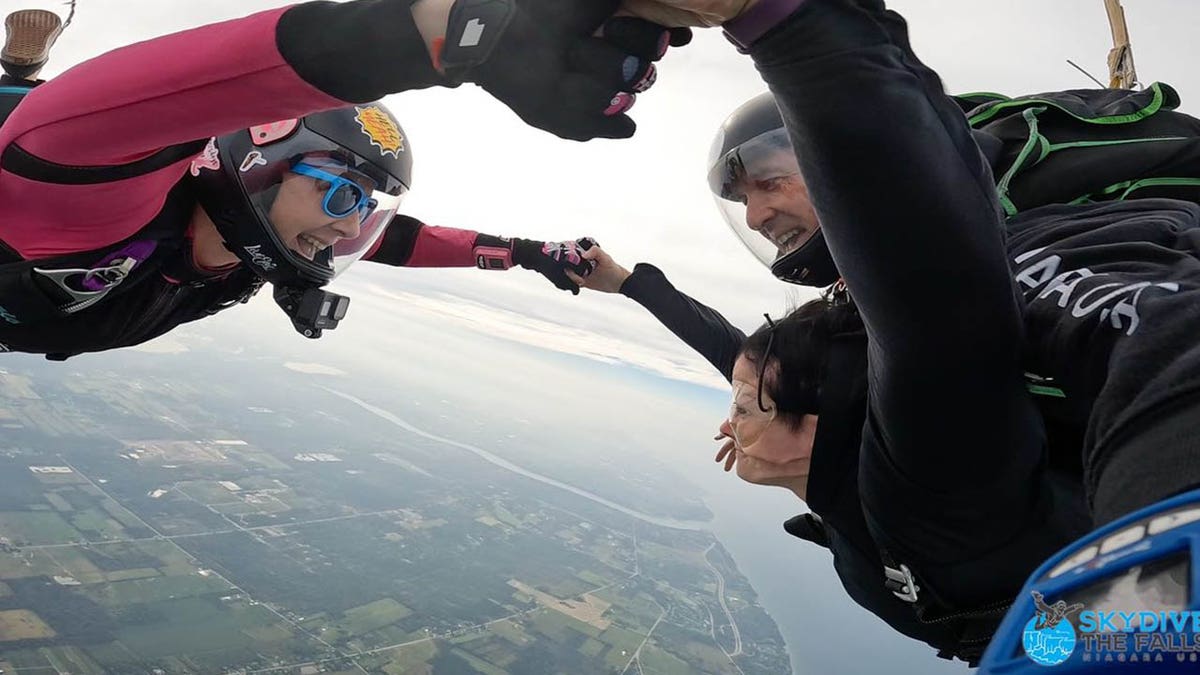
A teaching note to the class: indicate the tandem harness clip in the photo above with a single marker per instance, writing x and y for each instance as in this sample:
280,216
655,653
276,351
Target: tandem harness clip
901,583
95,282
32,291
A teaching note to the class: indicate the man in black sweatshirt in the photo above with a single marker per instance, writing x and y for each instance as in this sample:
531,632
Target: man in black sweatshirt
951,474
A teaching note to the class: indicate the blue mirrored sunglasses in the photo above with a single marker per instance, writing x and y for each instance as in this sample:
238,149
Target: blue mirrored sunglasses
343,196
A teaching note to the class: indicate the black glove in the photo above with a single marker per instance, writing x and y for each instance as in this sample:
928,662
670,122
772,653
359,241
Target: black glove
540,58
552,259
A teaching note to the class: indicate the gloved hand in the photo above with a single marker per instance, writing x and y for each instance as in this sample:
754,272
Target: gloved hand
552,259
543,60
607,276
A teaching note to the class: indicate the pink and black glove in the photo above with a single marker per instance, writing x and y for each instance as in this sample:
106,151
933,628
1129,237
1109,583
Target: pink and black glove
552,259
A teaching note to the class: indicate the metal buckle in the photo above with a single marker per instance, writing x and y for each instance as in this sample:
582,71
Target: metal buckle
901,583
109,275
112,274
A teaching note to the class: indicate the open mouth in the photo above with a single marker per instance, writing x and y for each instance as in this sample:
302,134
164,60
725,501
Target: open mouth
309,246
790,240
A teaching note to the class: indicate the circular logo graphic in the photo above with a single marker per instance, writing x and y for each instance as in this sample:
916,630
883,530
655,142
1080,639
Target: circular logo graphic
1048,646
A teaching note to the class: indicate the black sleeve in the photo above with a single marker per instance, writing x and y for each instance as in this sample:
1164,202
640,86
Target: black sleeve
702,328
909,210
398,240
357,51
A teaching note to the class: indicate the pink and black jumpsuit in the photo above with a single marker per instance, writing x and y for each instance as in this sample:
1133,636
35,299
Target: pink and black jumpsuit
95,164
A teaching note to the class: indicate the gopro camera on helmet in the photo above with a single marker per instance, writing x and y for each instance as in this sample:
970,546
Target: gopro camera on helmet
312,310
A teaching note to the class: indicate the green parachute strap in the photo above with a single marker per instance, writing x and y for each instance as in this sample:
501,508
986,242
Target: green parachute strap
1150,108
1040,386
974,100
983,96
1042,390
1036,142
1055,147
1128,187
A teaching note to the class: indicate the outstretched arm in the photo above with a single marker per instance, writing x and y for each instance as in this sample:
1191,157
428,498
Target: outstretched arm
699,326
908,208
910,213
410,243
911,216
289,62
138,114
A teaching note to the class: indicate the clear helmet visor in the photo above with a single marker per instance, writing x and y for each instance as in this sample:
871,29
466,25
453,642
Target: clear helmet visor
761,171
326,208
371,229
747,420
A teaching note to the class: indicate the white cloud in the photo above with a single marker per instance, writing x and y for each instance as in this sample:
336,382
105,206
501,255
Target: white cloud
168,344
557,336
313,368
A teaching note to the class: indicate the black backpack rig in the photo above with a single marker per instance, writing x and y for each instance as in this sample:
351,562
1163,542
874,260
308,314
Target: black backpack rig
1088,145
1067,147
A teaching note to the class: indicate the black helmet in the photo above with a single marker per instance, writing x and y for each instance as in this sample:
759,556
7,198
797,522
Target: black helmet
753,142
358,156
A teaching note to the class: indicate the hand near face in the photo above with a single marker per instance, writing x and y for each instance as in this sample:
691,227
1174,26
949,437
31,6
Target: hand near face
699,13
607,276
761,472
728,451
792,473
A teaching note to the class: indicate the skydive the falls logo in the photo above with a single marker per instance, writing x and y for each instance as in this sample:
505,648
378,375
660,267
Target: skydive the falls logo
1049,637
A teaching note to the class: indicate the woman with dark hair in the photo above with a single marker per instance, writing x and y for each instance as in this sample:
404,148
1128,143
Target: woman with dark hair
952,480
777,387
802,430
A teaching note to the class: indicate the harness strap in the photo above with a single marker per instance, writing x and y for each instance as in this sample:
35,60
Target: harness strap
974,625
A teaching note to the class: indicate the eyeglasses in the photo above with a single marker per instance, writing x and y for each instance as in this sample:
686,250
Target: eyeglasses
343,196
762,366
747,421
749,416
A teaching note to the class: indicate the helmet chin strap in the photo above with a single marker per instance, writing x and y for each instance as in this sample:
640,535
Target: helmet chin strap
209,250
270,195
809,265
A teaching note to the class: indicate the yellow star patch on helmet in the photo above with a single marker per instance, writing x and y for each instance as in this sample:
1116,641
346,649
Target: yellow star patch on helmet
383,131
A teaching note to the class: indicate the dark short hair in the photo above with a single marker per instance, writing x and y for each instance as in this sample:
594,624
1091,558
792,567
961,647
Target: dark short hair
799,347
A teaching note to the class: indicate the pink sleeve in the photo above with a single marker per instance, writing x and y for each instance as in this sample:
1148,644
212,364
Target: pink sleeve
443,247
128,104
131,102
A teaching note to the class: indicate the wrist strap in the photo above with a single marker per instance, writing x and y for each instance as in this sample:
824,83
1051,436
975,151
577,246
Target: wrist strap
493,253
749,28
472,32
